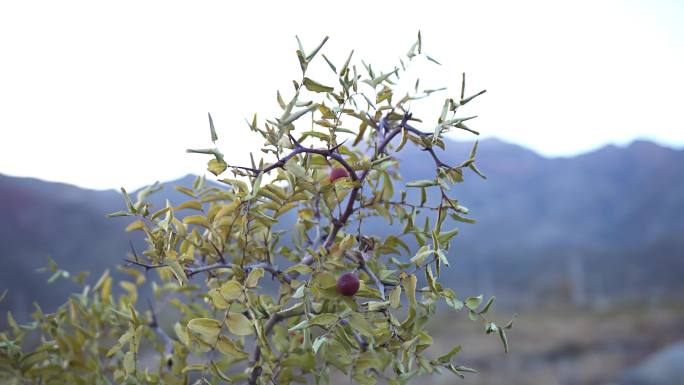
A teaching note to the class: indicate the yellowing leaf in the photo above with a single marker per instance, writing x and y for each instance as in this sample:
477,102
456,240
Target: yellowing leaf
299,268
194,368
217,299
196,220
182,334
137,225
129,363
217,167
194,205
107,289
231,290
239,325
410,286
253,277
227,209
206,327
226,346
120,343
315,86
395,297
178,271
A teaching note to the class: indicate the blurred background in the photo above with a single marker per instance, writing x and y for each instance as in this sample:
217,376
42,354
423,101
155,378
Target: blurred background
579,224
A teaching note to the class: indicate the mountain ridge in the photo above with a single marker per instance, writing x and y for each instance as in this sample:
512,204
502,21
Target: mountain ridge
614,212
490,141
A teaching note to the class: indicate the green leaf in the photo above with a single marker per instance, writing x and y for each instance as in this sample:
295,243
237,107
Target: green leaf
447,357
315,51
360,324
318,342
291,118
420,43
377,305
473,302
468,99
488,305
214,137
477,171
324,319
462,219
305,362
433,60
332,66
346,64
127,199
422,183
299,293
378,80
119,214
303,64
445,236
301,325
314,86
442,257
421,255
299,268
510,323
504,339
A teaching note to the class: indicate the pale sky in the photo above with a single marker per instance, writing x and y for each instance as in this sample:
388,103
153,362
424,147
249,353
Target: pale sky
108,94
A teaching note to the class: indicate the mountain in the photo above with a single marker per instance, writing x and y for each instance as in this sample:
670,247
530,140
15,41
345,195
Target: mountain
605,224
611,216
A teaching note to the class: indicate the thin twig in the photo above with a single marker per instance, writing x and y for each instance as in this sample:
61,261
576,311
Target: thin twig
374,277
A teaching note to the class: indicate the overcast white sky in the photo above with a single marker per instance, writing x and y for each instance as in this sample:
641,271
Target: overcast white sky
108,94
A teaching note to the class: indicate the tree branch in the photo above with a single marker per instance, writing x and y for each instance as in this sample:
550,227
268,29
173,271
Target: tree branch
299,149
374,277
337,224
168,341
190,271
268,326
363,345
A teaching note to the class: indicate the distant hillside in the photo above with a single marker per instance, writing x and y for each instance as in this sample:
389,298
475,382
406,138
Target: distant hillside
602,224
613,215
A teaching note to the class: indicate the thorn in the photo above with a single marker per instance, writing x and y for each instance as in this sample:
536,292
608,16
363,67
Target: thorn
338,146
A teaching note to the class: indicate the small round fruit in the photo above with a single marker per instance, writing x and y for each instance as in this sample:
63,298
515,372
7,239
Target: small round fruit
337,173
348,284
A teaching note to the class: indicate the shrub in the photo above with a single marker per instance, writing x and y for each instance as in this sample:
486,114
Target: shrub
338,298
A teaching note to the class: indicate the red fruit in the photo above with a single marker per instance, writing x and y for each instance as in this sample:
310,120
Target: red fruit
337,173
348,284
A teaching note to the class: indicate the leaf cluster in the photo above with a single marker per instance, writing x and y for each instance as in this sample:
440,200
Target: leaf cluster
239,298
